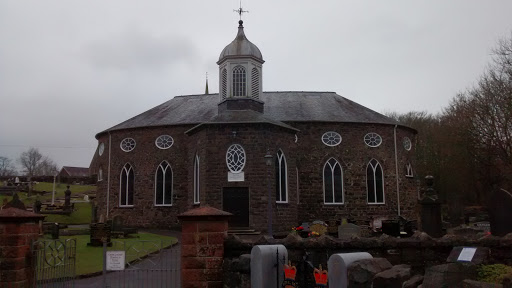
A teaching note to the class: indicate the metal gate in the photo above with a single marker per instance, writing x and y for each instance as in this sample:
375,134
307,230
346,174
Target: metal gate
54,264
145,264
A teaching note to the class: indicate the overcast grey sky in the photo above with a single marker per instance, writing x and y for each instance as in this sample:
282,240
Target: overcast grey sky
70,69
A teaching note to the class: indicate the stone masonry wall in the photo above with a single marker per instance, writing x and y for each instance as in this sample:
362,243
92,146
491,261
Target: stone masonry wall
305,159
420,251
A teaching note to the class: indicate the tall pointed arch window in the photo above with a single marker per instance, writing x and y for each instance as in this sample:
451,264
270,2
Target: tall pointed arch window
239,81
196,180
408,170
375,182
100,174
333,182
281,178
224,84
163,184
255,83
126,186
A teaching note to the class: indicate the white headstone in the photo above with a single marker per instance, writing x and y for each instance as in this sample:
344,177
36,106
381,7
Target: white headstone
17,180
338,264
263,269
86,198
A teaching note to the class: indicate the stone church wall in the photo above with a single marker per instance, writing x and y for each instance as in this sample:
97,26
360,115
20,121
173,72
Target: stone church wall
307,156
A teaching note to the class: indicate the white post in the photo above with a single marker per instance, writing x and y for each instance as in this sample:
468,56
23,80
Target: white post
53,193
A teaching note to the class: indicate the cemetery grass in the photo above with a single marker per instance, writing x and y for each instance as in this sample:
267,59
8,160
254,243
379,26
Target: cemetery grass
82,214
47,186
89,259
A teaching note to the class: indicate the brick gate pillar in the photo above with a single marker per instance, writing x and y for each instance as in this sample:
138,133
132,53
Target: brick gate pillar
18,229
202,246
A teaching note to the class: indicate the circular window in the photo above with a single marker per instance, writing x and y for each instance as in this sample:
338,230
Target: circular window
331,138
372,139
407,143
235,158
128,144
101,148
164,142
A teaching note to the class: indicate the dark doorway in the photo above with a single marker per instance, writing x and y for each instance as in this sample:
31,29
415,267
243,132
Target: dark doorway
235,200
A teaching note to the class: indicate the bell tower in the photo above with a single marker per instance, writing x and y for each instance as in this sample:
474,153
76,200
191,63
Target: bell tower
240,72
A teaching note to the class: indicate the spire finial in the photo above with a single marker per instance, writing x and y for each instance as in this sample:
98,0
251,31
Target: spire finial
240,11
206,89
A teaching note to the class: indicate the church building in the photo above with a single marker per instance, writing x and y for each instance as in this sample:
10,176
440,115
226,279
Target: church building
270,158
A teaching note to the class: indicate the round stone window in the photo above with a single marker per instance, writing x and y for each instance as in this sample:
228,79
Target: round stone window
164,142
407,143
331,138
128,144
372,139
101,148
235,158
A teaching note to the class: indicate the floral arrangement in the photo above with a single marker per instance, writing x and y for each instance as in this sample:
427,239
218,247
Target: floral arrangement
297,229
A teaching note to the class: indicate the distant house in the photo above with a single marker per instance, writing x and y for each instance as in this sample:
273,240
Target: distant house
74,174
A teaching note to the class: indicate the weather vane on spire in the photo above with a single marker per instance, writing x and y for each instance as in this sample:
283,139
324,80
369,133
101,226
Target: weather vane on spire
240,10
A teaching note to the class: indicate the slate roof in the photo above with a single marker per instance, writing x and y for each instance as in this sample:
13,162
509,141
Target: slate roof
75,171
279,107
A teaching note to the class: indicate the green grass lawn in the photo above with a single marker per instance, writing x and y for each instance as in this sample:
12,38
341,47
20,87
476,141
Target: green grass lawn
47,186
81,215
90,260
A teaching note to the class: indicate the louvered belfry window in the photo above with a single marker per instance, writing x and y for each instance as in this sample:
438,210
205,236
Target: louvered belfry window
239,83
224,84
255,83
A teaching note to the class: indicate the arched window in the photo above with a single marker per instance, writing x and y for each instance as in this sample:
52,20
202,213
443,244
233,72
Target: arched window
333,182
408,170
224,87
163,185
281,178
255,83
100,174
375,182
126,186
239,81
196,180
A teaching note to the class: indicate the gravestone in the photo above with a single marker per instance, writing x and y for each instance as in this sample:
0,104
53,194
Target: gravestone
483,225
67,199
264,273
99,232
475,255
338,264
500,212
37,206
348,230
431,221
15,203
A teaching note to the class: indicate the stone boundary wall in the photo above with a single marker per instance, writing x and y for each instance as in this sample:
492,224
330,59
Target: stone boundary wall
420,251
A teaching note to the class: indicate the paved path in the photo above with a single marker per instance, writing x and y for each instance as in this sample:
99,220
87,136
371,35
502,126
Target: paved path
162,270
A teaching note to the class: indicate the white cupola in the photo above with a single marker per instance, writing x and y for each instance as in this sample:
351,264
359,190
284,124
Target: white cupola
240,73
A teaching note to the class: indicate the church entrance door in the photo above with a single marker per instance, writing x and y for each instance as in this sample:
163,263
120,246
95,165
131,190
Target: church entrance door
235,200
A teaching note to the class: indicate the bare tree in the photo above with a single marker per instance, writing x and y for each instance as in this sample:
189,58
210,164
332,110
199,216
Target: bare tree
30,161
47,167
6,167
487,109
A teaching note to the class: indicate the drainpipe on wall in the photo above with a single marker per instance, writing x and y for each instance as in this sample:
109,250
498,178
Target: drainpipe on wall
396,174
108,176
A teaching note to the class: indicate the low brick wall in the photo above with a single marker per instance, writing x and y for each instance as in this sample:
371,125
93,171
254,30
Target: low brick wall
419,251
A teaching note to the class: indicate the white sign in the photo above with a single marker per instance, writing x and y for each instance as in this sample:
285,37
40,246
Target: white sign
115,260
467,254
235,177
